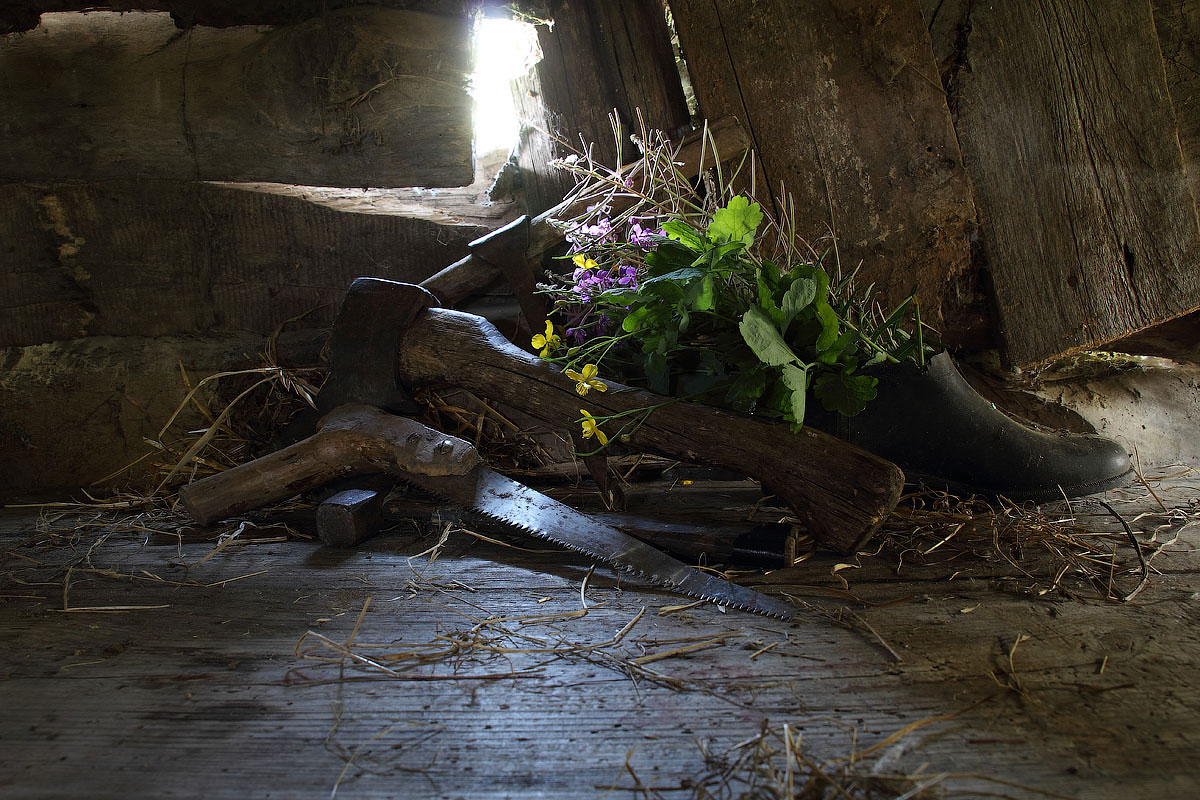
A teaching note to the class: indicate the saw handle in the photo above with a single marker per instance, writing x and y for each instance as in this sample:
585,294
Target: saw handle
841,492
352,440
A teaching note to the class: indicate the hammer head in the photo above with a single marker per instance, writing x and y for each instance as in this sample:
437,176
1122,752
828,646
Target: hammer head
365,343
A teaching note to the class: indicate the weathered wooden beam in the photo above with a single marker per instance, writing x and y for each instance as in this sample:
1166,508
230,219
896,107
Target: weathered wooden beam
156,258
600,57
357,97
844,106
1088,222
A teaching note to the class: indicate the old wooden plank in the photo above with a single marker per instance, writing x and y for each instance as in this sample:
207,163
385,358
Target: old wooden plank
599,58
162,257
850,121
1088,224
358,97
206,693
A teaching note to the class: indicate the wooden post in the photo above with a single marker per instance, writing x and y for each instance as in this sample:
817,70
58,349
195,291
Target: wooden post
600,57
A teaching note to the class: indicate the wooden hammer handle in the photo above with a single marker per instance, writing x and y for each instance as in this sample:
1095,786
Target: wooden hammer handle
352,440
841,492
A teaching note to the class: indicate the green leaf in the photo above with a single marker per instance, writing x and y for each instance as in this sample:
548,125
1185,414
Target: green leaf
685,234
799,295
845,394
878,358
747,389
706,299
635,320
736,222
714,257
829,326
760,333
679,276
668,292
834,353
657,373
796,379
669,256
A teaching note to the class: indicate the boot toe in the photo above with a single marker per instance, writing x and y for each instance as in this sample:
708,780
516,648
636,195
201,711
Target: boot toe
942,433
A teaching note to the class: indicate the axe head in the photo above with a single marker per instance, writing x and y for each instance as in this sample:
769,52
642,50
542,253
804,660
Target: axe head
365,344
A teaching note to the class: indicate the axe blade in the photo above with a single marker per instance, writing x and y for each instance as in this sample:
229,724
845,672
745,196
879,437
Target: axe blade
365,340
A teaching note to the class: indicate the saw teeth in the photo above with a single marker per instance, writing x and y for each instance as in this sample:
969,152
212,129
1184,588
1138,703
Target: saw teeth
626,568
679,586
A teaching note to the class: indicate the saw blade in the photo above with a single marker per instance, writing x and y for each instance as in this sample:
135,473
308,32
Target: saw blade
485,492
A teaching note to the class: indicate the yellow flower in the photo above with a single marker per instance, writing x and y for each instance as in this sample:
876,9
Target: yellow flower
587,379
592,428
548,341
583,262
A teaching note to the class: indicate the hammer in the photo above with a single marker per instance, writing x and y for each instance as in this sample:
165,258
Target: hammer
391,338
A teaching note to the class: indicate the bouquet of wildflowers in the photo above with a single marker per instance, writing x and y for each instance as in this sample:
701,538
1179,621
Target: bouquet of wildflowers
693,293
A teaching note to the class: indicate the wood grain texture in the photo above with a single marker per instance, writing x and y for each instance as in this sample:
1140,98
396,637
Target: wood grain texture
1087,220
848,118
841,492
161,257
202,693
359,97
600,57
352,440
22,15
1177,24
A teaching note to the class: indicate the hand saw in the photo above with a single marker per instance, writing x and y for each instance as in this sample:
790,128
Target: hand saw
359,439
487,493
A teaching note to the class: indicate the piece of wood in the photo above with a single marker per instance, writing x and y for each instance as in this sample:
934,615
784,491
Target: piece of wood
850,124
357,97
842,493
600,57
162,257
1088,225
352,440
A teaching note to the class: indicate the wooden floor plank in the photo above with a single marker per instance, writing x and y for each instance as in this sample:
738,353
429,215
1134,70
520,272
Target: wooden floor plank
205,695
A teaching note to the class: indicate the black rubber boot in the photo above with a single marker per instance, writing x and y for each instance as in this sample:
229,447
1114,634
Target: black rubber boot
943,434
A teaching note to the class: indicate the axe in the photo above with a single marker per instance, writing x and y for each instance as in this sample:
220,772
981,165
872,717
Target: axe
391,338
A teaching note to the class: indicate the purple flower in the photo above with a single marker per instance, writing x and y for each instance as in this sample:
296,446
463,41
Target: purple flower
641,237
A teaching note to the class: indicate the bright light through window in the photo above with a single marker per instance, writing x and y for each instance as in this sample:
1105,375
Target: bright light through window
504,49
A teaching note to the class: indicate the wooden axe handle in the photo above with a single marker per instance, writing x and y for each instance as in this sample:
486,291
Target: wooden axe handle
352,440
841,492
